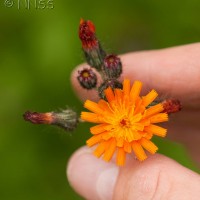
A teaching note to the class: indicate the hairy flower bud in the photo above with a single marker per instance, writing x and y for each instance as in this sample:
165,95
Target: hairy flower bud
87,78
171,105
112,66
94,54
66,119
108,83
87,34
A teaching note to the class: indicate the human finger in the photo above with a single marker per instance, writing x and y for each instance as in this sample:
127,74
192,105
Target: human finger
174,72
158,177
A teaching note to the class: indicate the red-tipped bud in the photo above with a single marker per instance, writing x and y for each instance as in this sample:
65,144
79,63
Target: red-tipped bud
38,118
108,83
87,78
171,106
66,119
87,34
94,54
112,66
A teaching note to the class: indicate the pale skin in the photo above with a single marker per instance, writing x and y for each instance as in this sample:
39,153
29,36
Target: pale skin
173,72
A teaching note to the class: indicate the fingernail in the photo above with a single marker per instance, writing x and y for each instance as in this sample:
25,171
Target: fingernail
91,177
106,183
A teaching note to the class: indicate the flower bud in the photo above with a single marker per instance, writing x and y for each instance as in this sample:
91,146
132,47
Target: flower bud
93,52
87,34
112,66
171,105
66,119
108,83
87,78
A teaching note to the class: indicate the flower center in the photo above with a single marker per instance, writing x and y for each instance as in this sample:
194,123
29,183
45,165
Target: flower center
85,74
124,123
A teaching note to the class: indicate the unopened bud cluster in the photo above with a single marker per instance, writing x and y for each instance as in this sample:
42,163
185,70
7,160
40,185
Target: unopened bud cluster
109,66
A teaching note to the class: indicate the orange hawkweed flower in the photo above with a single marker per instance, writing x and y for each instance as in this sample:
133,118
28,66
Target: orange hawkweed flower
125,124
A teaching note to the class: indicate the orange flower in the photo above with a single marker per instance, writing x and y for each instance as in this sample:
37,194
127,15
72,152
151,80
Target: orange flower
125,123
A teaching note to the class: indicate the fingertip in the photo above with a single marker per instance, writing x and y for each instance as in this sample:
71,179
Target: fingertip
91,177
74,158
77,172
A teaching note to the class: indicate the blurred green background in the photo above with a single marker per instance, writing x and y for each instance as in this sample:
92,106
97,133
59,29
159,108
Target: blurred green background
38,50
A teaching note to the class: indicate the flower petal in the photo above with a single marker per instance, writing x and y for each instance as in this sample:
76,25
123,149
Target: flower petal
139,151
100,149
94,140
126,87
154,110
127,147
135,90
149,146
161,117
109,94
150,97
92,106
110,150
121,157
91,117
98,128
156,130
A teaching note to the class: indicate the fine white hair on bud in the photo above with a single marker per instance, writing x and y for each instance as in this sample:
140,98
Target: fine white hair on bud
66,119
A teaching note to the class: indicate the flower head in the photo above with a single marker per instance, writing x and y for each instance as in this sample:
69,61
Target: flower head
112,66
125,124
87,78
